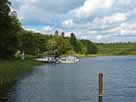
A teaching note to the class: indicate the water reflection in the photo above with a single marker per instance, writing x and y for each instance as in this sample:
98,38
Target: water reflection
6,91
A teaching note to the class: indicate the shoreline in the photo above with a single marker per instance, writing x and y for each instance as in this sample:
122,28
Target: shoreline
99,55
13,70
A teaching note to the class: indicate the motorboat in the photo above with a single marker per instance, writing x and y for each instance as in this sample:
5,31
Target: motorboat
68,59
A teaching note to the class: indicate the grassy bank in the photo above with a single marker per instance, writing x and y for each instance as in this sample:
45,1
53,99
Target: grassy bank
117,49
11,71
98,55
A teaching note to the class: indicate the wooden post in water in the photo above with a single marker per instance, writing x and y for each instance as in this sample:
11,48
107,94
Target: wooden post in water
100,81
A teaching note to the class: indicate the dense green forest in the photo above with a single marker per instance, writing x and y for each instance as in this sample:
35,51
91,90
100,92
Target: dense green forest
117,48
37,44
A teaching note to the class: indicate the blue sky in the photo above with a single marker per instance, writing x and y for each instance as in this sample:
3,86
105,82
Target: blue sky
96,20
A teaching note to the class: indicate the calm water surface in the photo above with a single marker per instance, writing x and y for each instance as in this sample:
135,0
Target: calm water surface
78,82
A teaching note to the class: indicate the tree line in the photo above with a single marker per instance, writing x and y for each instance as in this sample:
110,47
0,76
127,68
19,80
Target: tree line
53,45
14,38
128,48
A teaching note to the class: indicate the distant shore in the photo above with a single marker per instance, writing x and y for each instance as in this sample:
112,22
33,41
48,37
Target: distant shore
97,55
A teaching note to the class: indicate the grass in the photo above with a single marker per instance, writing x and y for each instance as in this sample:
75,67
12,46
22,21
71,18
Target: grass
117,49
11,71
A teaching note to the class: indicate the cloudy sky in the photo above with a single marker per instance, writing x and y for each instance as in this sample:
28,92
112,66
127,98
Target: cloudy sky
96,20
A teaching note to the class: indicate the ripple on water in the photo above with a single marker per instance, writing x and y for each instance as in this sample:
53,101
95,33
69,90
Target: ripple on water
78,82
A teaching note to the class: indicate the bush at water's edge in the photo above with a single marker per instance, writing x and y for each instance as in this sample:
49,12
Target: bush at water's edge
11,71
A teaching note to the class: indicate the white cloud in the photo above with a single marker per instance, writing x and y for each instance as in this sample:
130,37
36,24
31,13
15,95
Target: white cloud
90,6
32,29
123,1
109,22
68,24
128,28
42,11
116,17
96,20
92,32
99,37
102,37
47,30
67,34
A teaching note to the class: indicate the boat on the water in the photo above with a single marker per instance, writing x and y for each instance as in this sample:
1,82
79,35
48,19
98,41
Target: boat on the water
68,59
48,60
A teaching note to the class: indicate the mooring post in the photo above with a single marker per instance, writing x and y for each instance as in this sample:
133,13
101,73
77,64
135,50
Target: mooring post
100,81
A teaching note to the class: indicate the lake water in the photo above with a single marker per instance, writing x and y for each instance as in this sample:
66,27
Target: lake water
79,82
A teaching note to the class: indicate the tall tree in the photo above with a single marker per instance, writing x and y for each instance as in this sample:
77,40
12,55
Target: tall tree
32,43
56,33
74,42
63,34
56,45
27,42
9,27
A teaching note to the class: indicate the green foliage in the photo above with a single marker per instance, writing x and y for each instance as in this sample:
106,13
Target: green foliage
88,47
67,45
9,26
117,49
73,42
56,33
32,43
62,34
59,45
83,48
11,71
26,42
56,45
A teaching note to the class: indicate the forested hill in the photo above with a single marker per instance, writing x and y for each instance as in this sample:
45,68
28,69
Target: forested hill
117,48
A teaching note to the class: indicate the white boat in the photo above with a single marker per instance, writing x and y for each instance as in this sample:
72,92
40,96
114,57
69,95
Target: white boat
42,59
69,59
47,60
